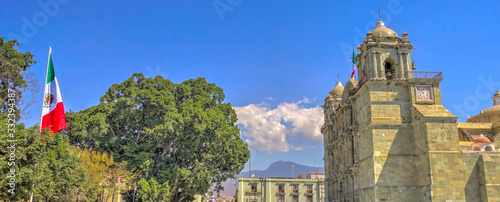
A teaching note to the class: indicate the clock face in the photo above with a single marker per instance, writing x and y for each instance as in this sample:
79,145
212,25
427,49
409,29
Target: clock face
424,93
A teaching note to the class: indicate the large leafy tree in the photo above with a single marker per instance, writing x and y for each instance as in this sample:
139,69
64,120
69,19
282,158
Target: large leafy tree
14,76
39,162
183,134
47,168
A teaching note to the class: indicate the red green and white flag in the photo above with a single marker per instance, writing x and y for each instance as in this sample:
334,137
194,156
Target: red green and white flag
53,110
353,63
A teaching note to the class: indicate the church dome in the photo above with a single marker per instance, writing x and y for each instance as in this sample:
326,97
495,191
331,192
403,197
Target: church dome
492,109
338,90
482,139
381,30
490,113
496,103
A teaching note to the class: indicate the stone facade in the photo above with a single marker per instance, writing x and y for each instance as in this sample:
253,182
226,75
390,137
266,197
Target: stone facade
486,123
388,137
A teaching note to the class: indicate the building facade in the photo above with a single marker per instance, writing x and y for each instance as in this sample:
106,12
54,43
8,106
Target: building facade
316,175
480,131
389,138
278,190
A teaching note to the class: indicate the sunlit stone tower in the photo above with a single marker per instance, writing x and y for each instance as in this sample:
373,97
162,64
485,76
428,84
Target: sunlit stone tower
388,137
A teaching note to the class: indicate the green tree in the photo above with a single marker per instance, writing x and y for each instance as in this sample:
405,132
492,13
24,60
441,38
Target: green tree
44,165
151,191
41,162
14,76
102,170
183,134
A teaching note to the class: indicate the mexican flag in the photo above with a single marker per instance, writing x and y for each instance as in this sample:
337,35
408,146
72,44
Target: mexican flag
53,110
353,63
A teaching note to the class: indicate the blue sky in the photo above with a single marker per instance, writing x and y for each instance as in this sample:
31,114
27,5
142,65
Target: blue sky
280,57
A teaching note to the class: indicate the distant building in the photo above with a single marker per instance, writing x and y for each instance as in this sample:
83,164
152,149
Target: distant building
387,137
320,177
225,199
278,189
311,175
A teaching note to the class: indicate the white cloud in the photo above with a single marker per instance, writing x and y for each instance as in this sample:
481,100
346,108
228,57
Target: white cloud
264,128
304,147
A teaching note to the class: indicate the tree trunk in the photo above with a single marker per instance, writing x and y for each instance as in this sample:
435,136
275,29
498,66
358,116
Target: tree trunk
135,189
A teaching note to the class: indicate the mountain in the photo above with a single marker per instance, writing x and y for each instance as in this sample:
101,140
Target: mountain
282,169
276,169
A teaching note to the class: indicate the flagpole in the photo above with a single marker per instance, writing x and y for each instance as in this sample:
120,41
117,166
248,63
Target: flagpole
355,66
41,116
45,82
353,76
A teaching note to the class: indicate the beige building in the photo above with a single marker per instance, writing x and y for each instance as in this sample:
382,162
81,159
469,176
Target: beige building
320,177
389,138
278,190
311,175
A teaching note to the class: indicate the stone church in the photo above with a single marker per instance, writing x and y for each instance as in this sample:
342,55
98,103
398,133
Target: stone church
387,137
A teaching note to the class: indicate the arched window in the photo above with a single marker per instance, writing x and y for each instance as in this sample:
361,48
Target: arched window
488,148
389,68
476,149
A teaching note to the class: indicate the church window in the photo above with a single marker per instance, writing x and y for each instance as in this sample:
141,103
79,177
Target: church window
388,70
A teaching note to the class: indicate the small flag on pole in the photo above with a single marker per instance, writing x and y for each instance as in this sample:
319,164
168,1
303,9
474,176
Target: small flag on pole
53,116
353,63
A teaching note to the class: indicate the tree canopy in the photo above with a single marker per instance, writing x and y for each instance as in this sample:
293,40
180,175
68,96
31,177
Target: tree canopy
48,169
151,191
47,166
14,75
182,134
106,178
43,163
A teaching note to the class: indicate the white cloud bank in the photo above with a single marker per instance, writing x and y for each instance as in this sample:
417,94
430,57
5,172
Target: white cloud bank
264,128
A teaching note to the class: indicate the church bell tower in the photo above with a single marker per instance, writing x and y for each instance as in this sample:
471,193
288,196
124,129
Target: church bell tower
384,56
387,136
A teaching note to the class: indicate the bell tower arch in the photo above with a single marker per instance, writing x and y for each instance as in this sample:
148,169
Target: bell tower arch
384,56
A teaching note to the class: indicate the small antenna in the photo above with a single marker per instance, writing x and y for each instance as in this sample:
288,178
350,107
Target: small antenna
250,166
338,77
352,54
378,11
